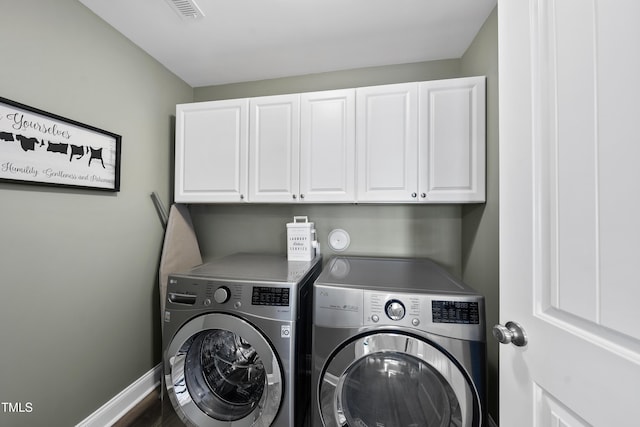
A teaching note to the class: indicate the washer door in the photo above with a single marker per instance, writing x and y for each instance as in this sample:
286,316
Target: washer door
223,372
395,380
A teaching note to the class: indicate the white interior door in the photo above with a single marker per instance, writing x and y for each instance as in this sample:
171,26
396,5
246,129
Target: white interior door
570,198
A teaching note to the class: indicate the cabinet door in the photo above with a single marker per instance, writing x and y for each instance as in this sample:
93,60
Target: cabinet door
327,146
274,147
452,140
211,151
387,138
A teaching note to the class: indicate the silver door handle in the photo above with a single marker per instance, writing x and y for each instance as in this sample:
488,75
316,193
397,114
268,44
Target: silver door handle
512,333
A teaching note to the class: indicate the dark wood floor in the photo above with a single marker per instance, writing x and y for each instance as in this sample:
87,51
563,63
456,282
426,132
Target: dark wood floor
152,411
156,411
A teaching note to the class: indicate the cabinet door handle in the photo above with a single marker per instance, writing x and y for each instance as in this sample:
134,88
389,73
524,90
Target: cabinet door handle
294,196
302,196
423,195
414,195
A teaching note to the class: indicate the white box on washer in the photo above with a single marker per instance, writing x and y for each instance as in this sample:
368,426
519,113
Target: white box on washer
301,239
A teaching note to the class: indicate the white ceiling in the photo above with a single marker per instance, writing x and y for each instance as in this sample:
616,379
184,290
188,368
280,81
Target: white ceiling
246,40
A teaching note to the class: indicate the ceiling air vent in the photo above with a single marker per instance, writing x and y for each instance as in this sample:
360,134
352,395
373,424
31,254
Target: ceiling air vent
187,9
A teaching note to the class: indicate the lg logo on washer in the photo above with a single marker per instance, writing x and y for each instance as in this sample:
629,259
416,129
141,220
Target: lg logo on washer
17,407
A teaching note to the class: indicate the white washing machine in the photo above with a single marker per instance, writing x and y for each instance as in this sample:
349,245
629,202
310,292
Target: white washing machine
236,341
396,343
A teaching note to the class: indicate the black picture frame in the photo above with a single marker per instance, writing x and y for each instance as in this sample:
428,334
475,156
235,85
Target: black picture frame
38,147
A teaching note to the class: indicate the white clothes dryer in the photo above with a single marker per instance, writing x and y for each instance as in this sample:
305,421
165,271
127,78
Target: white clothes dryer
236,341
396,343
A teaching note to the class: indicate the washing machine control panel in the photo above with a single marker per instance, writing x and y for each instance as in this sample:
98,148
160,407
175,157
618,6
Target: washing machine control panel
271,296
267,300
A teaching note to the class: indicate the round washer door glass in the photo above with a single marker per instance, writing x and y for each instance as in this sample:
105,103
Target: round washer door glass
224,374
394,380
223,370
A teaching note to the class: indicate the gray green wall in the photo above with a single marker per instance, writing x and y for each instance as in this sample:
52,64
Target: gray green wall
429,231
78,302
463,238
335,80
480,222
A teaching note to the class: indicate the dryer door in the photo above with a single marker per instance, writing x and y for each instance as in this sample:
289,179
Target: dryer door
395,380
223,372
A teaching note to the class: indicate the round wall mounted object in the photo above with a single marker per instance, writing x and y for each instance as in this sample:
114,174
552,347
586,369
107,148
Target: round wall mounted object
339,240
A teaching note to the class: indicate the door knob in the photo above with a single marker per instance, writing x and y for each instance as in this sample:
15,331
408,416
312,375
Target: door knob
512,333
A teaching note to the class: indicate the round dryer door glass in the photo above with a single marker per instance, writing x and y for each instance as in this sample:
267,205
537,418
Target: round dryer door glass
396,389
224,374
395,380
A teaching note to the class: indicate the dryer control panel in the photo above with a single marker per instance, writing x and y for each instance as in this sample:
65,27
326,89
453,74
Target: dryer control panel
454,316
461,312
393,309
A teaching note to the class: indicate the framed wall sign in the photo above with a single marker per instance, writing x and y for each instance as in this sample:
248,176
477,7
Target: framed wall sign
37,147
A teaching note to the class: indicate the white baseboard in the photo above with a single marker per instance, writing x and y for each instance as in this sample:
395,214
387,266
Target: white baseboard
123,402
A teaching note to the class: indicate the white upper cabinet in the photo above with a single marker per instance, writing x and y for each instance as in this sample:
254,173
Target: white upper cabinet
387,142
211,151
302,148
274,148
451,153
422,142
327,146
